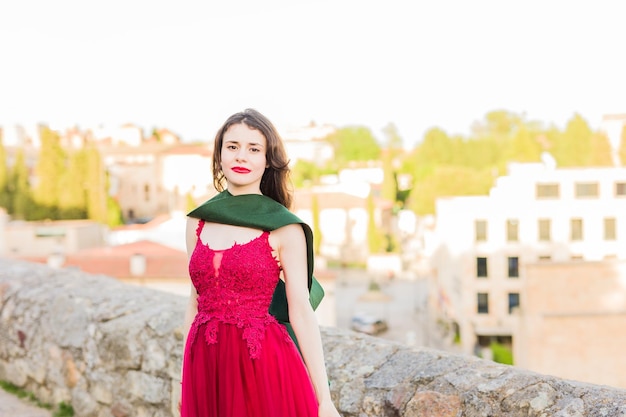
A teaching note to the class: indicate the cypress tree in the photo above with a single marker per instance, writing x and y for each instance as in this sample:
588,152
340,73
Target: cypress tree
95,182
317,231
19,188
72,188
374,236
4,178
49,170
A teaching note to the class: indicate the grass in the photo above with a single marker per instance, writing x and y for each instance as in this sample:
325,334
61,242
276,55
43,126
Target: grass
62,410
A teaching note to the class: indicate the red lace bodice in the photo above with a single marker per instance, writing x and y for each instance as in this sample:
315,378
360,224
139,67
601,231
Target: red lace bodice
234,286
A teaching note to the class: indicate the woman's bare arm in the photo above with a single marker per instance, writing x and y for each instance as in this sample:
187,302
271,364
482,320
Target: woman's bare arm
192,305
293,258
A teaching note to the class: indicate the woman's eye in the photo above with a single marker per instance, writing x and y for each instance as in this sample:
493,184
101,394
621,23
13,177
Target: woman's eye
231,147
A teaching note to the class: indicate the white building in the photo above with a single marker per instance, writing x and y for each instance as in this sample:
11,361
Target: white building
536,213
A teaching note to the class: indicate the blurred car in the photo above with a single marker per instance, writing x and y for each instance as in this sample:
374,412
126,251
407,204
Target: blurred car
367,323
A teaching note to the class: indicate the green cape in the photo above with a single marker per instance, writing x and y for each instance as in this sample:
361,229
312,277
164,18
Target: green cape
261,212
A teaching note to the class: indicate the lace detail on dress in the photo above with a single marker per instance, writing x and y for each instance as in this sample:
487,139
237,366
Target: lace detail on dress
238,291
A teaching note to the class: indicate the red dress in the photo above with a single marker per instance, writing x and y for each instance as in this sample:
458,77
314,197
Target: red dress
238,360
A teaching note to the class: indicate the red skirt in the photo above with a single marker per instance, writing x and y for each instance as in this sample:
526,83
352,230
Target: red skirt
222,380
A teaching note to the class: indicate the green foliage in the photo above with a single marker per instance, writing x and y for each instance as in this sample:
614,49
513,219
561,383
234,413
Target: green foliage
390,184
578,146
5,200
114,213
28,396
317,231
353,144
96,185
524,146
448,181
375,238
443,166
498,125
64,410
191,203
304,173
601,151
19,189
51,165
501,353
72,202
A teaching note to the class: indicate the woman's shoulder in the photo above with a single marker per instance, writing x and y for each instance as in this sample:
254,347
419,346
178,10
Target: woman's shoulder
287,234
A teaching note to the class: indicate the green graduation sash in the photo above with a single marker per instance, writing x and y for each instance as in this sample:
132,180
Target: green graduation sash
261,212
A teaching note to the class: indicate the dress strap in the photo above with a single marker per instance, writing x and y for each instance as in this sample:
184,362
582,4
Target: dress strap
199,228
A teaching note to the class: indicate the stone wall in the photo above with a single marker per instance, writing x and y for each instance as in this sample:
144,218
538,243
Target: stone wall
112,349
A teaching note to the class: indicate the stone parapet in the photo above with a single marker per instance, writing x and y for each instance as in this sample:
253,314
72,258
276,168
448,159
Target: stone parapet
112,349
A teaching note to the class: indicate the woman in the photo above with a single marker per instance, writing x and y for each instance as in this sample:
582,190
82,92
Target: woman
239,360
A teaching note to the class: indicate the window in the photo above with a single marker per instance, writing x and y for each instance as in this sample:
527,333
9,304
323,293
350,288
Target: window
547,191
480,227
513,267
483,303
609,229
511,230
544,230
576,229
481,267
513,301
586,189
620,189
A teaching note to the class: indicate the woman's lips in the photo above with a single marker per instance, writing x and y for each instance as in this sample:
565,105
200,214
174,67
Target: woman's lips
241,170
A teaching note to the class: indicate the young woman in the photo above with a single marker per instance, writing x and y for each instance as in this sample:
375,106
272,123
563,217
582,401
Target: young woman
239,357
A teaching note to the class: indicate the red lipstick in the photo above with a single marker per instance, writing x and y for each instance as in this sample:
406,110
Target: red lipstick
241,170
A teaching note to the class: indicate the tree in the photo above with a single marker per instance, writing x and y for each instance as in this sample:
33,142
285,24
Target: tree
391,157
498,125
601,152
50,167
524,147
96,185
353,144
317,231
72,202
304,173
436,148
19,189
190,203
375,238
573,147
114,213
4,178
448,181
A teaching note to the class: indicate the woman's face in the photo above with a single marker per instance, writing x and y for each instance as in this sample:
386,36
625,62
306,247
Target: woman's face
243,159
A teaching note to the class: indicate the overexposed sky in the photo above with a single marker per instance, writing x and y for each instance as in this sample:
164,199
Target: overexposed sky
187,65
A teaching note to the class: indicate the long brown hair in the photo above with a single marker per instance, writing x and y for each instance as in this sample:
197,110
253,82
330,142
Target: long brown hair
275,180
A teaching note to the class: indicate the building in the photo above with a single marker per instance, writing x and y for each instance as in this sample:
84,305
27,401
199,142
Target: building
155,178
308,143
572,321
50,240
137,261
536,214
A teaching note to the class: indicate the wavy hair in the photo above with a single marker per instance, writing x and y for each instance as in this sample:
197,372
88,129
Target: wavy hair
275,181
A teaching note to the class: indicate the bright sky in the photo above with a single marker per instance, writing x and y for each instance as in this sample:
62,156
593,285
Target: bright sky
187,65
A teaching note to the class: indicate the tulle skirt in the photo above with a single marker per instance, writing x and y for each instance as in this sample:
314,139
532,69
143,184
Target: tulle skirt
222,380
